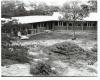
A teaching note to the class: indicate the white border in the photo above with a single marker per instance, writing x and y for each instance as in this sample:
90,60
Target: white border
59,78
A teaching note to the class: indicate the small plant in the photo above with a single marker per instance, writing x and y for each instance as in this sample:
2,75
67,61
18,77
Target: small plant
16,53
13,53
71,52
94,49
42,69
8,62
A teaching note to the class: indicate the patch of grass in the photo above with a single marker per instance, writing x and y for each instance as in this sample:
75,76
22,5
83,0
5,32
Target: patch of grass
6,41
92,70
71,52
94,49
8,62
15,53
64,34
42,69
51,35
35,47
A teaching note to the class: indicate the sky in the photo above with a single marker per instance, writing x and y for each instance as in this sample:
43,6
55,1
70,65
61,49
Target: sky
48,2
52,2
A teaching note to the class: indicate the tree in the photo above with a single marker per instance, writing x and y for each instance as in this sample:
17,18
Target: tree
84,10
7,27
7,8
42,9
93,5
38,9
20,11
75,15
74,12
11,8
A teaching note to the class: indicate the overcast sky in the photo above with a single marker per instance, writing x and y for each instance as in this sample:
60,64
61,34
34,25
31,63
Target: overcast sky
52,2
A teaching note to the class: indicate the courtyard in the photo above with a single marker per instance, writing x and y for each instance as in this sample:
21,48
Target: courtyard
39,47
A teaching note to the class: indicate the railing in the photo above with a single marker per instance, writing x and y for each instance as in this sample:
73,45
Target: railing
79,28
36,31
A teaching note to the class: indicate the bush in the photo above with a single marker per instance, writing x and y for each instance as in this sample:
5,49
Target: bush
17,53
6,41
70,51
94,49
42,69
20,54
7,62
6,53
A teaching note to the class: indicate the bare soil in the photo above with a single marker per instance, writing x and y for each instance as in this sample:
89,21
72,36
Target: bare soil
86,40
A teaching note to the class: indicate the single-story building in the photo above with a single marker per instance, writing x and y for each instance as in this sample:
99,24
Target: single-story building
39,23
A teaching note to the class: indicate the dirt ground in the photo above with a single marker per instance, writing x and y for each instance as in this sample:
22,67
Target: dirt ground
86,40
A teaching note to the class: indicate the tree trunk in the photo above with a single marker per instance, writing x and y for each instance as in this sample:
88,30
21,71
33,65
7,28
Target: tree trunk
74,37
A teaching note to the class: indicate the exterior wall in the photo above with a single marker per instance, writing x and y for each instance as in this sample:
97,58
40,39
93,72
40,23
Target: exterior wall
34,28
78,25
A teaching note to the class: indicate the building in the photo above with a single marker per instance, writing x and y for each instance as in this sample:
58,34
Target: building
37,24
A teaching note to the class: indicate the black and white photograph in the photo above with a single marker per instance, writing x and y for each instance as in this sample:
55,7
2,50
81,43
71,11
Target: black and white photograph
49,38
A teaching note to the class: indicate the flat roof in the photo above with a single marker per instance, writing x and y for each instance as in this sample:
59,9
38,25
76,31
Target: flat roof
54,17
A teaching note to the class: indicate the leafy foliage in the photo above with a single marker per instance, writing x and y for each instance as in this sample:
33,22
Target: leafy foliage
76,11
8,62
42,69
18,8
71,52
6,41
93,5
94,49
15,53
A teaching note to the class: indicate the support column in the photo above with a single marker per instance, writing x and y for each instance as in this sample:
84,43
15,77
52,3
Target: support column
82,25
62,24
37,27
67,25
58,23
92,25
47,25
88,25
40,27
31,29
26,30
52,25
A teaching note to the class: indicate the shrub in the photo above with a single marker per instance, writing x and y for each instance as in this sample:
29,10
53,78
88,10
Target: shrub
17,53
5,53
42,69
70,51
94,49
6,41
20,54
7,62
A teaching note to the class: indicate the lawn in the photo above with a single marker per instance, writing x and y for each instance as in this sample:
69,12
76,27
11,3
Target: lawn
91,35
50,50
